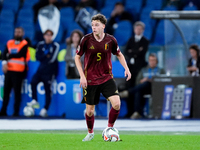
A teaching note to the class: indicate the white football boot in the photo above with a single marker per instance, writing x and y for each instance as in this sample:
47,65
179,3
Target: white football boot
89,137
43,112
33,104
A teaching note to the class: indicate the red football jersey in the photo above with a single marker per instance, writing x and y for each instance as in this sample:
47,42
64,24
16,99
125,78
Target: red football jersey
97,60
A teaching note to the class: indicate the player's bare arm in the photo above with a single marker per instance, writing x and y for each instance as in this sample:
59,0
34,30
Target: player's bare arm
122,60
83,81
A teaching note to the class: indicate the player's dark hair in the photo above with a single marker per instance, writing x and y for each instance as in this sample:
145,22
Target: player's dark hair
195,47
100,17
48,30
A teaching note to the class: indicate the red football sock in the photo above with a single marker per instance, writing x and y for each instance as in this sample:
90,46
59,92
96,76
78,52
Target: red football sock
90,122
112,116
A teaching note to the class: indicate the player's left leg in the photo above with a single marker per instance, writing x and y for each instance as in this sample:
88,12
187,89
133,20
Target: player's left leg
114,111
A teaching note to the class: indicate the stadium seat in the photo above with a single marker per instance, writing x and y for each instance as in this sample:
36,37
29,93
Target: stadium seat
170,8
190,7
59,36
5,36
145,15
67,16
123,32
133,6
25,15
29,30
7,16
72,26
106,11
11,4
156,3
29,3
111,3
159,34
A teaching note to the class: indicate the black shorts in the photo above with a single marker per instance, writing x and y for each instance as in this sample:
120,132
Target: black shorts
92,92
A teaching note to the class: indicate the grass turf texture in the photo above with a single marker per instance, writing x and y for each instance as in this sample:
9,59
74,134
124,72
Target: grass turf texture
72,140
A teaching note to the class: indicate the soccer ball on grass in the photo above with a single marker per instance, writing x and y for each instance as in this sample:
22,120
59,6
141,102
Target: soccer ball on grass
110,134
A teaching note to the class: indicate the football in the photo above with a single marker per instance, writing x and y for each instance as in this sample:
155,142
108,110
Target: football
110,134
28,111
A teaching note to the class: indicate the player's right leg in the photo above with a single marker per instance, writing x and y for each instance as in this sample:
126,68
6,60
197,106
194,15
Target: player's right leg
89,116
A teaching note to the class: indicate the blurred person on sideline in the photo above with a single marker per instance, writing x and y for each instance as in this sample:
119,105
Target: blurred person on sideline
46,54
118,14
143,86
194,62
135,53
72,45
14,65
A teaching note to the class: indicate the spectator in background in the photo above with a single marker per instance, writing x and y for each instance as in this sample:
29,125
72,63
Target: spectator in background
143,86
46,53
14,68
41,4
194,62
85,3
72,45
67,3
135,53
118,14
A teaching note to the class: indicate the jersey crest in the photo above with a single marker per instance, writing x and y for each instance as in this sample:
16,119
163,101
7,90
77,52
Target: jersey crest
106,46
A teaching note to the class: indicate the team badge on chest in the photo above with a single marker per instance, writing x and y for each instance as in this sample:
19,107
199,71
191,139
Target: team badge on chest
106,46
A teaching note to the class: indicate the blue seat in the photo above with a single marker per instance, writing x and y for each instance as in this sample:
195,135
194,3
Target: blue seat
170,8
190,7
156,3
7,17
67,16
106,11
29,30
59,36
73,26
133,6
111,3
6,33
145,15
25,15
159,34
123,32
11,4
165,33
29,3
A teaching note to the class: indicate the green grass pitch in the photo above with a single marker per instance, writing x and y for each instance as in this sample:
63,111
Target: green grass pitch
72,140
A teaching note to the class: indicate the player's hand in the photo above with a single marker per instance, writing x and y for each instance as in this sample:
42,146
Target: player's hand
83,82
5,68
127,74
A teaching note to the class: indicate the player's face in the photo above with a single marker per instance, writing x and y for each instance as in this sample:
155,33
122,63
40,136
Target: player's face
48,37
75,38
138,30
152,62
97,27
193,53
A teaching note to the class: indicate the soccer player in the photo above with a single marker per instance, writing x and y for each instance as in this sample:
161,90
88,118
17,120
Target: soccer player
97,75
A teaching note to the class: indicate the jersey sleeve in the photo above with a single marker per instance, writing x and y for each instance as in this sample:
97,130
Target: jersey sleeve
81,48
115,48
